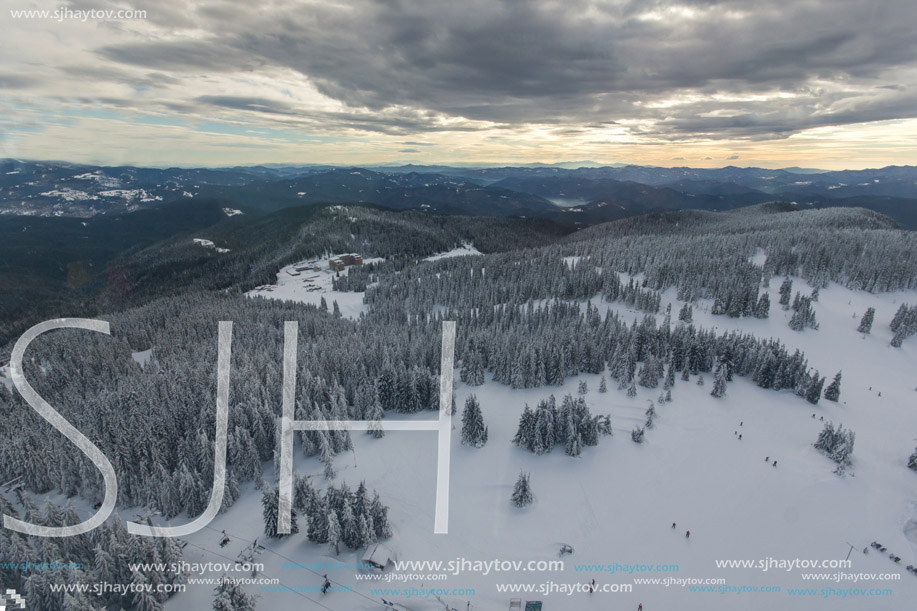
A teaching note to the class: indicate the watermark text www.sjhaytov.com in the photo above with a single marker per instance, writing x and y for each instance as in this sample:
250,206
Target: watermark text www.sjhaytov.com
65,13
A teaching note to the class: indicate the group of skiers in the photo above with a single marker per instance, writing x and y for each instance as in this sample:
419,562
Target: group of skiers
766,458
687,532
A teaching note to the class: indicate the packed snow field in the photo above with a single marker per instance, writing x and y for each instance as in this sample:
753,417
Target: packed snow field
616,503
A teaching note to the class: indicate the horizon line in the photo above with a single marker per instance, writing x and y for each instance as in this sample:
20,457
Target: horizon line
588,164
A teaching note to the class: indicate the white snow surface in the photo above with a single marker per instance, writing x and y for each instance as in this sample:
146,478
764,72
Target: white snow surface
68,194
209,244
461,251
310,286
142,357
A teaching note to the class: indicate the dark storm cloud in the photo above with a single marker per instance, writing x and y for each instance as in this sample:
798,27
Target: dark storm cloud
569,64
210,55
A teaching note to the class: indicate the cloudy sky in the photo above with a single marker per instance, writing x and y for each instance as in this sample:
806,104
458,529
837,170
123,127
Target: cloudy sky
776,83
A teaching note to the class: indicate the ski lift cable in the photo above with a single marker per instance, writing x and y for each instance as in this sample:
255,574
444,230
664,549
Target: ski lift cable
299,565
278,581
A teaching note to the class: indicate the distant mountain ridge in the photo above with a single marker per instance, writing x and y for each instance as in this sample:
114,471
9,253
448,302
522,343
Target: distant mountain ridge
576,197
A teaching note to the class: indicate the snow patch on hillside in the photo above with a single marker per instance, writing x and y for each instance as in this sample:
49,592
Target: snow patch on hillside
142,357
467,248
209,244
103,180
131,195
70,195
308,281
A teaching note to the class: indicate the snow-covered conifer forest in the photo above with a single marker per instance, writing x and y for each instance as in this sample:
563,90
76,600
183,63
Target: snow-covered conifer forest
570,347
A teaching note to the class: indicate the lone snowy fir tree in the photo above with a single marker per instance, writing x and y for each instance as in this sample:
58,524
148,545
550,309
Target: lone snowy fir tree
522,492
474,431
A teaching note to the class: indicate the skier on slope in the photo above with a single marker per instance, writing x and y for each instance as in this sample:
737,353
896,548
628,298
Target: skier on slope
688,534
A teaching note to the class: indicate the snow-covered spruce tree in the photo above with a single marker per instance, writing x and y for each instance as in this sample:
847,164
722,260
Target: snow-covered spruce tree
833,392
763,307
899,318
637,434
814,389
912,461
632,388
904,324
583,387
573,445
669,377
836,444
379,514
719,381
866,321
474,431
700,380
803,314
472,371
603,385
271,515
603,425
334,532
522,491
686,314
231,597
649,373
786,290
375,416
